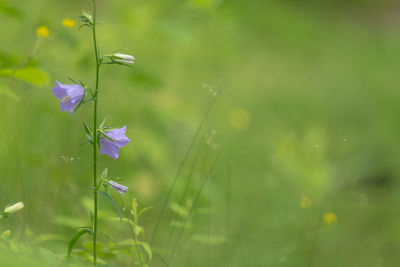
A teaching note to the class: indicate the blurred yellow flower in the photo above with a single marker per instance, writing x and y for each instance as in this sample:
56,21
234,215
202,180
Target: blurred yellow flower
43,31
240,118
68,23
330,218
305,202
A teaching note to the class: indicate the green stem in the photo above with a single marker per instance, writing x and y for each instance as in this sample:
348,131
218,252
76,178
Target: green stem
95,137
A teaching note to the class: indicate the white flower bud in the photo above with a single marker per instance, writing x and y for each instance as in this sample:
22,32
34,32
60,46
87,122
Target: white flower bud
123,58
14,208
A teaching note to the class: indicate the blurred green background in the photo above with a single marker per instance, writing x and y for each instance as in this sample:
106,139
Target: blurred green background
304,119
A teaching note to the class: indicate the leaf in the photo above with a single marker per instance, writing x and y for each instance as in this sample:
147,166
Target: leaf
134,208
102,123
113,203
146,248
6,91
143,211
105,136
32,75
88,128
138,229
80,104
75,239
100,232
10,10
72,80
101,182
104,174
88,131
91,216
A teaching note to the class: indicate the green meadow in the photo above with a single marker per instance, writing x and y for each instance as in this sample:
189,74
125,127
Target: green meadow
262,133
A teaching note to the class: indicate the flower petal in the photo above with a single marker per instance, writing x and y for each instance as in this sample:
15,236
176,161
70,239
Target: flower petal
69,95
67,105
58,91
108,147
119,137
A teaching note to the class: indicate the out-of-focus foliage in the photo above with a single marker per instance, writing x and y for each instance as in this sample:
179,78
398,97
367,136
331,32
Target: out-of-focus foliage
305,114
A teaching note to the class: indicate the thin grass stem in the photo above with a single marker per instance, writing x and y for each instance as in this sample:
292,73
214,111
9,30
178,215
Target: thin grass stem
193,205
171,189
186,189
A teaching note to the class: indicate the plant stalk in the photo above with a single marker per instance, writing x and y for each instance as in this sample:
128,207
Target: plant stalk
95,137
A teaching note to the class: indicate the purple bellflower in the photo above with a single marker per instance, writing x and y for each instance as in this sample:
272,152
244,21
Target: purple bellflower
118,187
119,140
69,95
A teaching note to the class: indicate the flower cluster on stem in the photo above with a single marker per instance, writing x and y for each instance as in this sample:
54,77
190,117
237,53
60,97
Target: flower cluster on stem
109,140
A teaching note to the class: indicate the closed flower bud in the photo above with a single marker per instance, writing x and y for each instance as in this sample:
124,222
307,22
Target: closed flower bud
86,18
123,58
122,189
14,208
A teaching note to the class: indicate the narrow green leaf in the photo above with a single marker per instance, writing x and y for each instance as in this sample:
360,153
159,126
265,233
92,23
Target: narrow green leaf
104,174
143,211
102,177
146,248
135,208
100,232
113,203
88,128
72,80
75,239
138,229
102,123
91,216
105,136
80,104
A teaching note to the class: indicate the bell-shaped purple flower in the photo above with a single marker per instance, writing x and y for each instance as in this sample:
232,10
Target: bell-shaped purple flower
119,140
122,189
69,95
